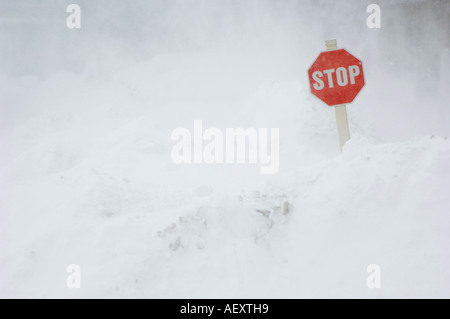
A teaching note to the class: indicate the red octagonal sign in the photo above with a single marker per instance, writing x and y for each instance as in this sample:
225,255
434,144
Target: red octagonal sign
336,77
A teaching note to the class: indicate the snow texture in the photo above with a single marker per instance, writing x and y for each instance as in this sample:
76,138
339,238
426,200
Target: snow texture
86,175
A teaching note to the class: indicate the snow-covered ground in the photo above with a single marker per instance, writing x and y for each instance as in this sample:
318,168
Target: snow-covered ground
86,178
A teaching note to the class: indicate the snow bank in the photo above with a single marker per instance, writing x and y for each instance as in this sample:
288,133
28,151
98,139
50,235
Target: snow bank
87,179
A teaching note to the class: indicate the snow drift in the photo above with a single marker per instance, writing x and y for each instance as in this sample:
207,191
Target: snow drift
86,175
96,187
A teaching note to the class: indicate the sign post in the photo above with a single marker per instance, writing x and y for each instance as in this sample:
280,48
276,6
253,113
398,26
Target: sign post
336,77
340,110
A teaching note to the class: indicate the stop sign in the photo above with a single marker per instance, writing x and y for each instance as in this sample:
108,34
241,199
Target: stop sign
336,77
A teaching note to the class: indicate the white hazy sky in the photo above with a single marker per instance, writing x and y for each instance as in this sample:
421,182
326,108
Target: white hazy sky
403,60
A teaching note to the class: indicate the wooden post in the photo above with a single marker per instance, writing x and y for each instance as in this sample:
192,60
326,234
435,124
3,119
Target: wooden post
342,124
331,44
341,111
